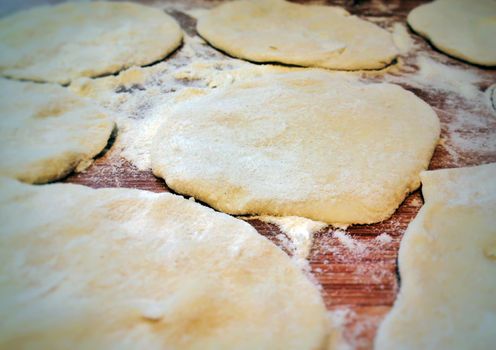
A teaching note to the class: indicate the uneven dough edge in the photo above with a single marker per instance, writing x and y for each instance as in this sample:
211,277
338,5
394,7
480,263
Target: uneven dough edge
226,45
298,209
69,75
332,214
48,170
233,199
462,199
415,20
264,59
130,208
56,156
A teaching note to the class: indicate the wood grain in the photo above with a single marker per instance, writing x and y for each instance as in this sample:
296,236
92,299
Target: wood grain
361,283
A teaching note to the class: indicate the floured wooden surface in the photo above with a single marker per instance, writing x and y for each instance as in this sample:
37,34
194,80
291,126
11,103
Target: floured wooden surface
356,267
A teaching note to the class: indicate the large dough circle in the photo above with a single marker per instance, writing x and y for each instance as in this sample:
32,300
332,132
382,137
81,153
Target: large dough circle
61,43
46,131
461,28
308,143
280,31
129,269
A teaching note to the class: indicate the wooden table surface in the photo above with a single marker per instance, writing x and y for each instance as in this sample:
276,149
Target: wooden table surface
362,283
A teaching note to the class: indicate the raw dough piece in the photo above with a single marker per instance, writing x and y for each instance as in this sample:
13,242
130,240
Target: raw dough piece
447,263
130,269
308,143
61,43
47,131
461,28
280,31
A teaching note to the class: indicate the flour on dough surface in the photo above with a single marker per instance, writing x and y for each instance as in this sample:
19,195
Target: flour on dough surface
132,269
304,35
447,269
85,39
138,96
299,144
47,131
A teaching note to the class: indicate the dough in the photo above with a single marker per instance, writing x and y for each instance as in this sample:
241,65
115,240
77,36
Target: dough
308,143
280,31
47,131
447,264
130,269
461,28
86,39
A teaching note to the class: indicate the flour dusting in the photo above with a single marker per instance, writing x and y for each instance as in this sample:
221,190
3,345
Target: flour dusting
299,231
384,238
446,78
337,320
468,120
349,243
141,97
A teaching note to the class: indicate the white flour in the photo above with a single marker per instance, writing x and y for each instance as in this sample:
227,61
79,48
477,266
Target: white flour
354,246
467,117
140,97
384,238
337,320
143,99
298,230
446,78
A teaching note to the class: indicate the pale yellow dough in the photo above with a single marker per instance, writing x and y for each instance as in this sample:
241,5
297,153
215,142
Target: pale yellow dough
447,264
306,143
47,131
305,35
85,39
129,269
461,28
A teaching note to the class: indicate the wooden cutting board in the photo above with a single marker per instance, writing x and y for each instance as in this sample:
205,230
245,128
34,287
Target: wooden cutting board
358,274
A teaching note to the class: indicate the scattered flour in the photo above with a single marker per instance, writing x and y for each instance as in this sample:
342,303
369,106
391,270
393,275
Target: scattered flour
467,118
140,98
349,243
298,230
446,78
337,321
367,260
384,238
470,135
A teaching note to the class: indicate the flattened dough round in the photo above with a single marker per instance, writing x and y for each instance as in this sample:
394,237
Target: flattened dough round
447,262
280,31
85,39
308,143
46,131
129,269
461,28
